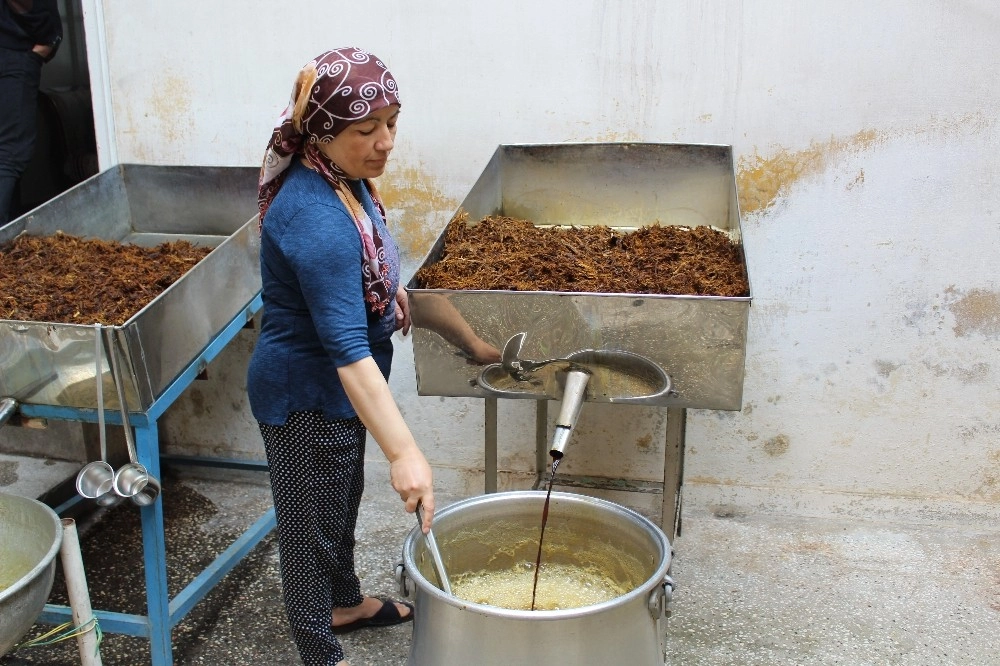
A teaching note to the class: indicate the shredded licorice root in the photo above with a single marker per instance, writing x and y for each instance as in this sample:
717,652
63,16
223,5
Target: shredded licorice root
508,254
67,280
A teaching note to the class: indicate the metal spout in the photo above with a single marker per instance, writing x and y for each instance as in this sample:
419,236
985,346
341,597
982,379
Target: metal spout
572,401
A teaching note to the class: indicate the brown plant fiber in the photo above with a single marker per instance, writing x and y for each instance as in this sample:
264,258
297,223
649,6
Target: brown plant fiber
67,280
508,254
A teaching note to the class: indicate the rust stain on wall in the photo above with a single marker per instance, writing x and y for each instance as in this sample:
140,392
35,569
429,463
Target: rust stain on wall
170,105
989,488
777,446
978,311
810,547
762,179
163,119
414,195
708,480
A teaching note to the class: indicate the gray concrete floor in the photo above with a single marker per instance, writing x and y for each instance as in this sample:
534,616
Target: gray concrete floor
751,588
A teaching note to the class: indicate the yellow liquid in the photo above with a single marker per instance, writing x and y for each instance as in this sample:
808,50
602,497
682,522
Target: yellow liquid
13,568
560,586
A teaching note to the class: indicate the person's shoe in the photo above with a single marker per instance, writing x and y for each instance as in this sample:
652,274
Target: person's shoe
386,616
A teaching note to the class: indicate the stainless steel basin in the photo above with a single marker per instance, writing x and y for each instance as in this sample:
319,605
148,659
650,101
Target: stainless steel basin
699,341
47,363
30,538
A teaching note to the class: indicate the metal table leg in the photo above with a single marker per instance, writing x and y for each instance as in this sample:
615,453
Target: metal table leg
673,471
491,445
154,552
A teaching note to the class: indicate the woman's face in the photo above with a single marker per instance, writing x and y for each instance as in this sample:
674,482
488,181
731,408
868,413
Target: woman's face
362,149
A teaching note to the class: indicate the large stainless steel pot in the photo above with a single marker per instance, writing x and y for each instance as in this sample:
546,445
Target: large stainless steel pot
30,538
492,532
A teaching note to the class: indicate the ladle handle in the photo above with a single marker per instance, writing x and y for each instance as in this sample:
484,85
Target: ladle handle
99,369
120,389
435,553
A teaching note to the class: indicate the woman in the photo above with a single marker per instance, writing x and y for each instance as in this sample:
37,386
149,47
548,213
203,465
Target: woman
317,378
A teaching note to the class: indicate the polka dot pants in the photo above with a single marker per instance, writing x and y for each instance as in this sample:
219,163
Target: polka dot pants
317,477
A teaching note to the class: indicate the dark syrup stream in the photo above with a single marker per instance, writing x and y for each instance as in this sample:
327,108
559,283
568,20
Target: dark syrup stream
541,537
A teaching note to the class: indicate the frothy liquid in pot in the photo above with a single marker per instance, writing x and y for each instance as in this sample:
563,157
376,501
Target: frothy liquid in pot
560,586
538,586
501,562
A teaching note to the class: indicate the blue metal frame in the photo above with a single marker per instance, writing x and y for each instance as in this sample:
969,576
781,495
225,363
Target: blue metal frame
162,613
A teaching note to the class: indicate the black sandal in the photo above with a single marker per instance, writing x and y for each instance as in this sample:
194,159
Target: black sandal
386,616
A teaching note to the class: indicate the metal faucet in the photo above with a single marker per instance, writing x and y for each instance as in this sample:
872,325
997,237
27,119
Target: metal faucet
577,377
572,401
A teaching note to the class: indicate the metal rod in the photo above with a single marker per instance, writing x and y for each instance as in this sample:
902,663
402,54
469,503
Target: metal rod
673,471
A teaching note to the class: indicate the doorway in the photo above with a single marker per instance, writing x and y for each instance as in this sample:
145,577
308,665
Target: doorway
66,148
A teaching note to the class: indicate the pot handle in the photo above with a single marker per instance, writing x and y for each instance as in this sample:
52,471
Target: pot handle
402,579
660,598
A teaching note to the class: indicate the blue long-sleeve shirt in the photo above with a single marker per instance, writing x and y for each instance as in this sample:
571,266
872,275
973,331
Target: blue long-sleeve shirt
315,319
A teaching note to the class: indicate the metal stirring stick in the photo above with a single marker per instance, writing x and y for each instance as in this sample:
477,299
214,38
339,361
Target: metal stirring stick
435,553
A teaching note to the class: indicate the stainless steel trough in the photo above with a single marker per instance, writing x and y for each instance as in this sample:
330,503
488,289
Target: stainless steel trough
699,341
46,363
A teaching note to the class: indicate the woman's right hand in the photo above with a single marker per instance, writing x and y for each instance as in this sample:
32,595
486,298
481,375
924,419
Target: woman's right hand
411,477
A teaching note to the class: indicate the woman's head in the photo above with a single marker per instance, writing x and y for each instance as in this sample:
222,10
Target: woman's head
338,88
341,118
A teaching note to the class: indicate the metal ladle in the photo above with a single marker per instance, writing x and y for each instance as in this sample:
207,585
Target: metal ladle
435,553
132,479
96,479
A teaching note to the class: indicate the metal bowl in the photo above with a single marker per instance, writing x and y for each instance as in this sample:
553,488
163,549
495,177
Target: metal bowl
30,538
615,376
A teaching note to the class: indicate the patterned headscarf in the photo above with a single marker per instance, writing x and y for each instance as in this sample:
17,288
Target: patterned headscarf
336,89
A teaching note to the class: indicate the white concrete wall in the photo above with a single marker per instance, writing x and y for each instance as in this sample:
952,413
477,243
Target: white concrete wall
867,140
